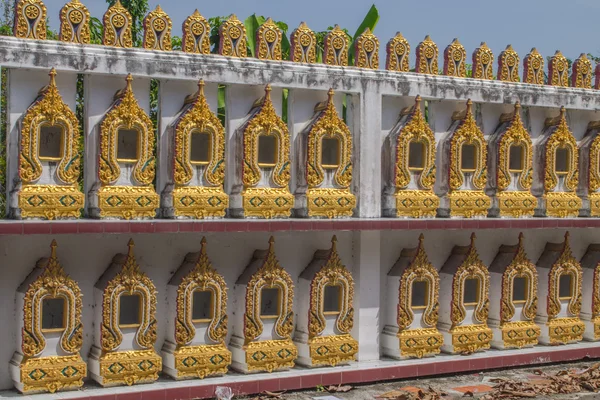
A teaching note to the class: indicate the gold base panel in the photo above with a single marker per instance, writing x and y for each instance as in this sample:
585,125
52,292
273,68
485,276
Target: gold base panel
330,203
565,330
520,334
270,355
596,322
127,202
202,361
130,367
419,343
469,203
516,204
50,202
51,374
267,203
200,202
416,204
562,205
471,338
594,204
332,350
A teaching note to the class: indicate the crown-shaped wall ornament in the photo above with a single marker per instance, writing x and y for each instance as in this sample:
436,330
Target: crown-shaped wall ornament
157,30
303,45
533,68
336,47
75,23
455,58
508,65
117,27
483,62
196,34
232,38
582,73
558,70
30,19
268,41
398,51
427,57
366,50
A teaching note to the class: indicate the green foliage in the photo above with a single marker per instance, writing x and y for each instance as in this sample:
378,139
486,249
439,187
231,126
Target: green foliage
96,30
138,10
176,43
215,24
370,21
253,23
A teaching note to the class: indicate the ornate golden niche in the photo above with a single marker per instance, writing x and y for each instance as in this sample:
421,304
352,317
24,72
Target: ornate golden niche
196,348
560,317
467,328
512,167
366,50
232,38
268,41
582,73
75,23
558,70
123,351
483,62
533,68
336,47
514,282
466,179
59,197
455,58
508,65
589,182
196,34
398,53
139,199
157,30
409,185
427,57
559,179
117,23
325,337
48,359
303,45
260,350
325,187
30,19
206,200
590,312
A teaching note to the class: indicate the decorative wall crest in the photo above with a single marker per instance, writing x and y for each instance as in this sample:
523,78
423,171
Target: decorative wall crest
558,70
232,38
561,138
196,34
157,30
582,73
268,41
303,45
30,19
117,27
508,65
366,50
483,62
75,23
594,161
336,47
455,58
533,68
427,57
398,53
566,263
597,74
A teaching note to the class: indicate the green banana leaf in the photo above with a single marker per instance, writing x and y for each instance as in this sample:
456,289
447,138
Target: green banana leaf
252,23
370,21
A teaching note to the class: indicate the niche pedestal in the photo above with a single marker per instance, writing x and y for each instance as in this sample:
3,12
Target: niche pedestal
590,304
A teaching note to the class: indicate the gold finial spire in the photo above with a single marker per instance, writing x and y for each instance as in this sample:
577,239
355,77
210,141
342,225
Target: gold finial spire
271,243
201,87
567,235
268,92
418,101
517,106
330,95
334,243
52,75
563,113
203,245
469,106
473,237
53,247
118,4
196,12
421,239
158,8
521,236
129,79
131,245
427,37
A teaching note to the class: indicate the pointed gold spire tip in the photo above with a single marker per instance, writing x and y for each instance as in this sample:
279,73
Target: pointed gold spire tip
473,237
421,238
130,244
53,247
52,75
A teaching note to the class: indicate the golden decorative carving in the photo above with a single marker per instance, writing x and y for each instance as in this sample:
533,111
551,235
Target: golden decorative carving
455,58
335,51
332,350
232,38
398,52
594,199
582,73
130,367
533,68
30,19
366,50
75,23
516,204
596,322
427,57
518,334
117,23
267,202
416,203
52,374
200,202
50,201
483,62
508,65
270,355
202,361
471,338
268,41
330,203
558,70
565,264
157,30
196,34
565,330
303,45
128,202
594,166
562,204
469,203
419,343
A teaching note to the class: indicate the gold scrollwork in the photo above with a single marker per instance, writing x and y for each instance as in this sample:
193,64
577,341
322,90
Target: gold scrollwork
196,34
561,138
157,30
565,264
270,355
455,58
471,338
366,54
582,73
268,41
416,203
303,45
508,65
232,38
130,280
533,68
483,62
518,334
332,350
117,23
398,52
130,367
516,204
128,202
419,343
594,165
469,203
565,330
30,20
427,57
75,23
51,374
558,70
335,51
202,361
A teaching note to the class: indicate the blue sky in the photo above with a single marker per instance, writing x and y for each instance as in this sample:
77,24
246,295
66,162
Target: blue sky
570,26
